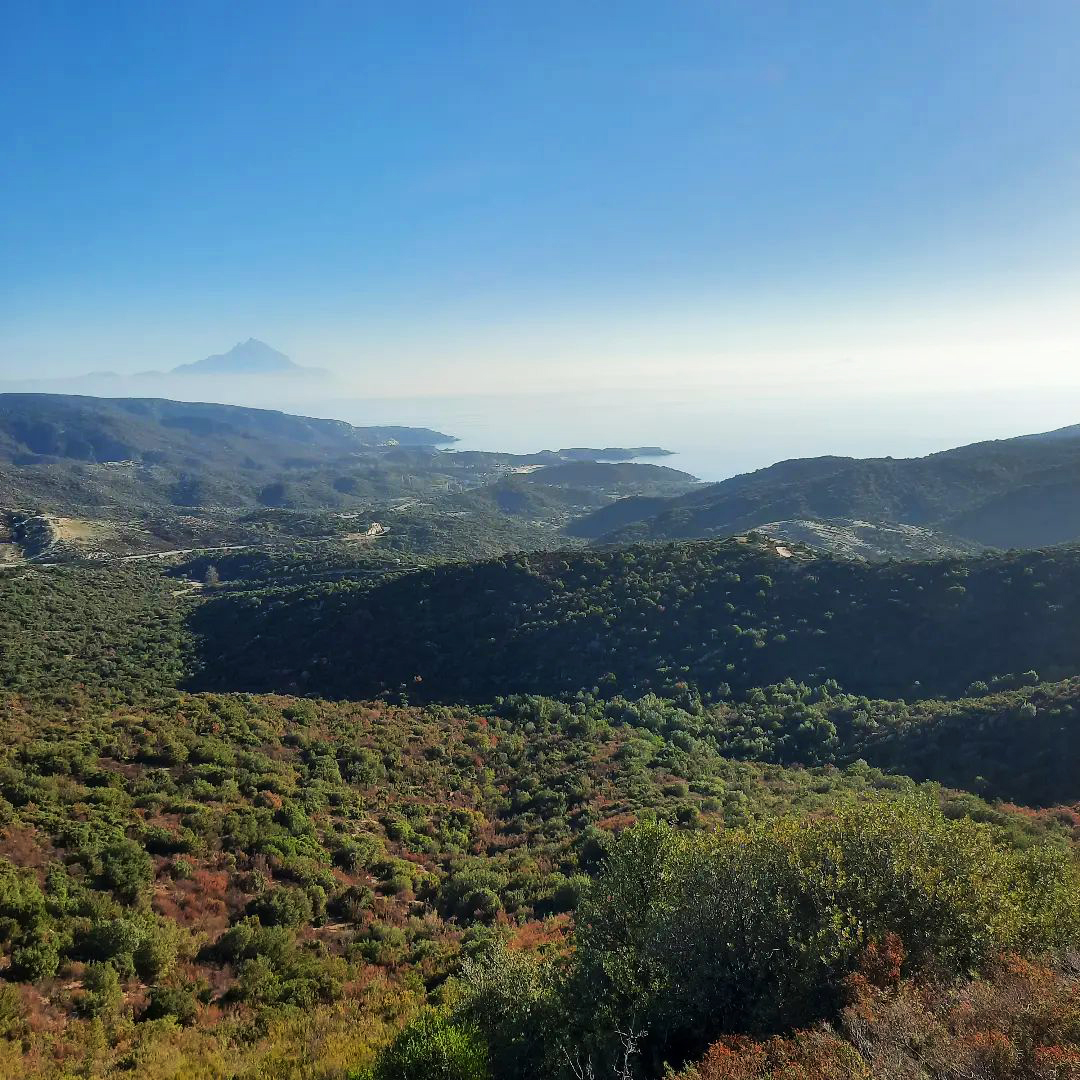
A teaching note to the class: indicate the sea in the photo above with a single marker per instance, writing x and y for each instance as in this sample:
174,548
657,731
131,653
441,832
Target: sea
713,433
714,436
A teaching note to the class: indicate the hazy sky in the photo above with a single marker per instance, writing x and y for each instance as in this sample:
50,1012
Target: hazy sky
870,194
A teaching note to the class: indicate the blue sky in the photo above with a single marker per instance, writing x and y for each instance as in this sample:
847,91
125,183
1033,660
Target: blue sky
443,195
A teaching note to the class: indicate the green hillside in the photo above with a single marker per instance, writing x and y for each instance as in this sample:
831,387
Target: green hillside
50,427
239,885
1022,492
710,810
67,452
721,616
611,477
125,635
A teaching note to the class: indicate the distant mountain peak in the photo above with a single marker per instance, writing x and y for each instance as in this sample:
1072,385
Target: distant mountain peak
251,357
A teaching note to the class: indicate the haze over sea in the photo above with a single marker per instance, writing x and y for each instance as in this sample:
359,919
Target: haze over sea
715,435
714,431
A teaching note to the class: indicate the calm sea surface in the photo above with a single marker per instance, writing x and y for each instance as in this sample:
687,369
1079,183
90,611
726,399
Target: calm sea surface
714,434
715,437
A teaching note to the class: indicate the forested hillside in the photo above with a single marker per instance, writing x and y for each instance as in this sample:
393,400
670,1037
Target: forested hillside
117,632
51,427
623,478
723,617
67,452
125,635
1019,492
723,810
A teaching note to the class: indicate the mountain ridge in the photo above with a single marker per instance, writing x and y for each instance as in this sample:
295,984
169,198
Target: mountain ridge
1018,492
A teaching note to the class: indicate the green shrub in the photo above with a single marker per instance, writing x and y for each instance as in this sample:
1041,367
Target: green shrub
756,930
179,1002
125,868
156,954
114,940
688,936
12,1011
432,1047
102,994
282,907
351,903
36,958
517,1001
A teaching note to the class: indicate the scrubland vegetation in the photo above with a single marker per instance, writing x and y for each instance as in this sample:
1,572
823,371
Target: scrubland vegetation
688,832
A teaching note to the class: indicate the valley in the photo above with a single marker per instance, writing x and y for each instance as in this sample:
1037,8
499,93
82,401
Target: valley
300,790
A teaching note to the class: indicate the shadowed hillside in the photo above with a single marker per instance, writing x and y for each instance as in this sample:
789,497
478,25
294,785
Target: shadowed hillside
1022,492
37,428
721,616
132,454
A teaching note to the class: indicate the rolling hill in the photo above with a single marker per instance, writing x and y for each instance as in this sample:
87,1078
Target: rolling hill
1022,492
65,452
241,878
718,616
611,477
47,428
